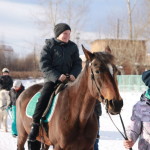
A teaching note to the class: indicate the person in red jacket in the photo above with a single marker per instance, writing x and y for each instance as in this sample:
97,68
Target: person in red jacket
16,90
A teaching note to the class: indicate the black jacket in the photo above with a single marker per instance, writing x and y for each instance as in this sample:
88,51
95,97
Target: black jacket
6,82
59,58
15,94
98,109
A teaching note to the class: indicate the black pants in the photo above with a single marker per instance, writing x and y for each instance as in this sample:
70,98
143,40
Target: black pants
43,100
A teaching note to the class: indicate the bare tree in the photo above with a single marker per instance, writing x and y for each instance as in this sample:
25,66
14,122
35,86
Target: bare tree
69,11
2,58
142,28
6,53
130,10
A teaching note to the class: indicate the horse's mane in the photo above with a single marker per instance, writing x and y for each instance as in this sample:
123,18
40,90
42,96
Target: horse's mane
104,57
79,77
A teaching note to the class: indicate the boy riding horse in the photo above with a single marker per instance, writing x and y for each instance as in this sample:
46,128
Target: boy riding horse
59,58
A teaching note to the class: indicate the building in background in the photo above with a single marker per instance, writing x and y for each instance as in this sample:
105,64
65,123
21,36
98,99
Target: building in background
131,55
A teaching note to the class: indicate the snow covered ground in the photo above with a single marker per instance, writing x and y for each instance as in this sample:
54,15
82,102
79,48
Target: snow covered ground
110,138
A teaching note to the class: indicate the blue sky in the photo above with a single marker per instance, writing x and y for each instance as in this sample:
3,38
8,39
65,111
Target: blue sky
18,30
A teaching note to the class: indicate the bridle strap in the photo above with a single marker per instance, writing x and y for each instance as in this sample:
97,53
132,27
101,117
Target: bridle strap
100,95
93,78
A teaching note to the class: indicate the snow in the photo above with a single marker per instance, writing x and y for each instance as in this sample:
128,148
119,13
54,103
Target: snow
110,138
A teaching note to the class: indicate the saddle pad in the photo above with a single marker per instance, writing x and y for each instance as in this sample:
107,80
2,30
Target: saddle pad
32,104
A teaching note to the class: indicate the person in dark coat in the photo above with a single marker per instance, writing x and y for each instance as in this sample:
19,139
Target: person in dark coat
16,90
6,81
59,58
98,113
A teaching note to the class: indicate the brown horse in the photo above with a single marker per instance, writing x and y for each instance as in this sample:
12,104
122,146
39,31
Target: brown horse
74,125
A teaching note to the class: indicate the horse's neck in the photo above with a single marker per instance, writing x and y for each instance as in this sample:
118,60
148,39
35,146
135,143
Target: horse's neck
87,109
82,103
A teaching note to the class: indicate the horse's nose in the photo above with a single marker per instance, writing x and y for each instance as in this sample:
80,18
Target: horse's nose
116,106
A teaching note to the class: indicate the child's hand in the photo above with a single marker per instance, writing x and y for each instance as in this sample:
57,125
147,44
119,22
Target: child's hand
128,144
72,78
62,78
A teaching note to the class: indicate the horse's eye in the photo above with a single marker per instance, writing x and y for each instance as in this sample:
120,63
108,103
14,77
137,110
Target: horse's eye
102,68
95,65
97,71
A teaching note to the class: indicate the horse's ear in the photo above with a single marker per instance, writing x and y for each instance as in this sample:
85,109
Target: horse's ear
89,56
107,49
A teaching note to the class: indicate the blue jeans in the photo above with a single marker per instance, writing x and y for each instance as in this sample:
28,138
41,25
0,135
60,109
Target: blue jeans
96,144
97,140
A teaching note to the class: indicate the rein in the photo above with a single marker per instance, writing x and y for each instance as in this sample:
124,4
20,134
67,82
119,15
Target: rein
123,135
106,107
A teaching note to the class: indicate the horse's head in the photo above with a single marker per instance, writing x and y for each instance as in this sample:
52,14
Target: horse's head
102,81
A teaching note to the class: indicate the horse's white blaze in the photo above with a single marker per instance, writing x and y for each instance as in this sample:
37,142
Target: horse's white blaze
110,69
90,64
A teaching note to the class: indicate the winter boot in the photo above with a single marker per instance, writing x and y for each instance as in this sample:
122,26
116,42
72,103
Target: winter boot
34,132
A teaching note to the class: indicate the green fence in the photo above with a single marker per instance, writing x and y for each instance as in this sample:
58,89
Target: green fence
131,83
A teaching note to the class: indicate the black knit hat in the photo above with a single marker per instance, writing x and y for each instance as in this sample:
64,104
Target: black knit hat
146,78
60,28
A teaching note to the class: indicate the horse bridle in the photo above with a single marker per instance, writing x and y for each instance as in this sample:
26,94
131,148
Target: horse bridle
105,101
106,107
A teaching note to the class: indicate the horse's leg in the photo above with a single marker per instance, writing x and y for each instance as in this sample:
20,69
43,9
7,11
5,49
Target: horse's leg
5,120
91,148
22,135
46,147
34,145
57,147
21,141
